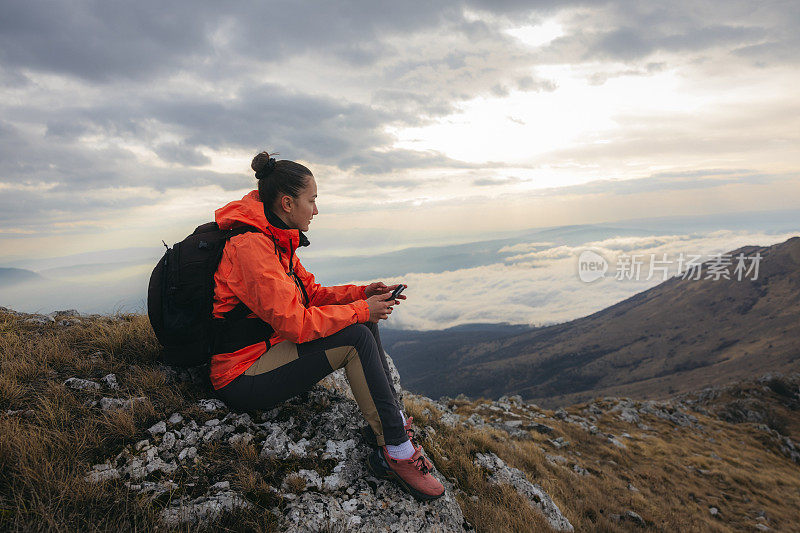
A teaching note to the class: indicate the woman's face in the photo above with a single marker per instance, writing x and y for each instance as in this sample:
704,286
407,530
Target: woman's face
304,206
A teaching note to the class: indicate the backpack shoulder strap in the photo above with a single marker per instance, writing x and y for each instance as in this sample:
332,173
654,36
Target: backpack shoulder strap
241,229
240,311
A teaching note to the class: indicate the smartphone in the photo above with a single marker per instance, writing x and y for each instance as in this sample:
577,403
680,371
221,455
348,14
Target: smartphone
396,292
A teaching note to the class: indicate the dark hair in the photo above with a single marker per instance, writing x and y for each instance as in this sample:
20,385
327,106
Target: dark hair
287,177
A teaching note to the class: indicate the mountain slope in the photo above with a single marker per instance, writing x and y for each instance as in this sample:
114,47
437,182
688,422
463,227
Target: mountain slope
678,336
12,276
87,411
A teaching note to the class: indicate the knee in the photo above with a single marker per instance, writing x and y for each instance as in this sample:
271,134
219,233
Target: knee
357,333
359,336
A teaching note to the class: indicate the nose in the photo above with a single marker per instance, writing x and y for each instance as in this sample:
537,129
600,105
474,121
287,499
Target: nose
316,211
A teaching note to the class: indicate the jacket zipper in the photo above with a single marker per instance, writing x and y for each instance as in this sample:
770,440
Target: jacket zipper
296,279
291,273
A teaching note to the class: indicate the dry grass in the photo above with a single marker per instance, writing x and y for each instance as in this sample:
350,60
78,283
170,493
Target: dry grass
677,478
295,483
46,449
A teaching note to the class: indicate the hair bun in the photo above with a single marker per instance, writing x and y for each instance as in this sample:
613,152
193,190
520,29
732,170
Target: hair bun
263,165
260,162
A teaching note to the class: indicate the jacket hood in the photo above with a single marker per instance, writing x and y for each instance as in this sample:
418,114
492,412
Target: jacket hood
249,211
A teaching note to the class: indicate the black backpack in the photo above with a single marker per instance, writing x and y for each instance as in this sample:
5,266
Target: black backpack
181,291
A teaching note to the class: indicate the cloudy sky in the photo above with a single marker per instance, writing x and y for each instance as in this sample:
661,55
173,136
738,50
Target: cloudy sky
424,123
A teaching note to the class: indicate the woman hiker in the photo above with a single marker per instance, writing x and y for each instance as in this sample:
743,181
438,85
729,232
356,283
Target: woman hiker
278,332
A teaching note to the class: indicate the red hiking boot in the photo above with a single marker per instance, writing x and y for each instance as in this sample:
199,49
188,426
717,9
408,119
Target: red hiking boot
369,436
413,475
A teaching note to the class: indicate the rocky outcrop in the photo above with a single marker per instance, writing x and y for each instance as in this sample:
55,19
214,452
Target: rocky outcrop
332,488
499,472
62,318
194,510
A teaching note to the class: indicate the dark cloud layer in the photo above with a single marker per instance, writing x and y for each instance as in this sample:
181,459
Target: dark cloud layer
630,31
91,85
99,40
102,40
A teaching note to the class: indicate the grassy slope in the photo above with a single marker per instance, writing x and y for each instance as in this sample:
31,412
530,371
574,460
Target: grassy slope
46,450
664,464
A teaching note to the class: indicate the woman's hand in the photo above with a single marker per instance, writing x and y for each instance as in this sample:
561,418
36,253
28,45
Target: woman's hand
379,288
379,307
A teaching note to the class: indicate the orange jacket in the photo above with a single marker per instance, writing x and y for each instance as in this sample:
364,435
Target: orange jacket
254,270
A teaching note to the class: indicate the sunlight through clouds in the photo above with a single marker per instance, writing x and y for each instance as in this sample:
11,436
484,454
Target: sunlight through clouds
428,124
538,35
522,128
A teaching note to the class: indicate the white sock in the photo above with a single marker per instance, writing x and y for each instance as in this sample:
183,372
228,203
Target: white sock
401,451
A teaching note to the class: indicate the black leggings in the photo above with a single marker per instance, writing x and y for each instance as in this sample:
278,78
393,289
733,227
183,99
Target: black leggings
287,369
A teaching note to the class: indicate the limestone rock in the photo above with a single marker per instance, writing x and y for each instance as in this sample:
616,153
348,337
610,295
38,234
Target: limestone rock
616,442
202,508
499,472
109,404
221,485
81,384
40,320
634,517
101,472
158,428
580,470
323,430
475,420
168,441
311,478
211,404
628,415
338,449
240,438
110,381
187,454
450,419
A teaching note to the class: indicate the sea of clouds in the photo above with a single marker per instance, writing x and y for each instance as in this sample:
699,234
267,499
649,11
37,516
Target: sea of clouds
534,282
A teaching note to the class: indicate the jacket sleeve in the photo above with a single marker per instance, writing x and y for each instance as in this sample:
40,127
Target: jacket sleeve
258,279
320,295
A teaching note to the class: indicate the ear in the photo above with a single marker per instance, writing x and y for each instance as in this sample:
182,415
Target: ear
286,203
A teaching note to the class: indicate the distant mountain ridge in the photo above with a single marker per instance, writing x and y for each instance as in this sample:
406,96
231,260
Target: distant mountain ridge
336,270
677,336
12,276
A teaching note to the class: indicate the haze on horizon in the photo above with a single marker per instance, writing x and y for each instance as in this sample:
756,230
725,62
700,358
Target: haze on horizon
125,124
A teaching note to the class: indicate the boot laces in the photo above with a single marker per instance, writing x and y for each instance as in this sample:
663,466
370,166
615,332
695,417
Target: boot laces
422,463
410,432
